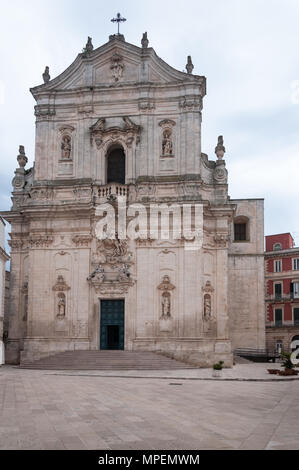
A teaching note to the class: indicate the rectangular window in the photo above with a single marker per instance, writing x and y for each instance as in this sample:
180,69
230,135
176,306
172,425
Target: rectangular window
279,346
278,291
278,317
295,290
296,264
240,232
277,266
296,316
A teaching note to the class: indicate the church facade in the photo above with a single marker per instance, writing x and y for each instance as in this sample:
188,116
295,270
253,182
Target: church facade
121,129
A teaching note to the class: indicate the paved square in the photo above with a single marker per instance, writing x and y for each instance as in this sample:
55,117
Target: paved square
47,410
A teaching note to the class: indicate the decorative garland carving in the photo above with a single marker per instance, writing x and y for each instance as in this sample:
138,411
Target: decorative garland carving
41,242
128,132
61,285
221,240
208,287
190,103
82,240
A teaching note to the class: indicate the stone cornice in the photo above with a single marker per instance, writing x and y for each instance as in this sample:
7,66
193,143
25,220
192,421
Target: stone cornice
3,255
281,276
260,255
282,253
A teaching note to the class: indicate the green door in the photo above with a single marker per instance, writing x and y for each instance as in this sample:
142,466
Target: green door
112,334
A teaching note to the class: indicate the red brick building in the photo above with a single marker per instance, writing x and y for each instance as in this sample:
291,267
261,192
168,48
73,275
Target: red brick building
282,291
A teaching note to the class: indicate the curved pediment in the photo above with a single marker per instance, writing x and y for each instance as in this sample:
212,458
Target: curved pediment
116,63
116,128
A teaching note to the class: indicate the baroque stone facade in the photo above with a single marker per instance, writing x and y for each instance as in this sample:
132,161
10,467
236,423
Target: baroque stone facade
121,123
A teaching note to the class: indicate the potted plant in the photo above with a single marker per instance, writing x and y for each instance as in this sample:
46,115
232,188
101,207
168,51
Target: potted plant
287,364
273,371
217,369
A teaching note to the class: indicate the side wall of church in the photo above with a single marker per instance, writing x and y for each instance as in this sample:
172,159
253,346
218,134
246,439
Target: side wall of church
246,279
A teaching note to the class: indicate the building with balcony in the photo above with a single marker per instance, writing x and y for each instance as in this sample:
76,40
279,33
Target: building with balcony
119,132
282,292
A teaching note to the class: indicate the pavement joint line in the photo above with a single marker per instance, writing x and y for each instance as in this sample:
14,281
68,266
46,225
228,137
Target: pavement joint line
176,378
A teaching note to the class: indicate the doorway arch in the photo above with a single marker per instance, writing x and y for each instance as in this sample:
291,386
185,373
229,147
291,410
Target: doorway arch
116,165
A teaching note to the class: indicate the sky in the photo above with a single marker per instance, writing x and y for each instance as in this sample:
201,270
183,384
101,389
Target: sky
247,49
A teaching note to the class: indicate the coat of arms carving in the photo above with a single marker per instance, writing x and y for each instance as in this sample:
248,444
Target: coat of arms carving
117,67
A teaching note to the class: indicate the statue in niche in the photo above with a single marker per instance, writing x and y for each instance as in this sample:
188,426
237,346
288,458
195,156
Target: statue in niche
207,307
117,67
25,308
167,147
61,306
25,304
66,147
166,305
166,287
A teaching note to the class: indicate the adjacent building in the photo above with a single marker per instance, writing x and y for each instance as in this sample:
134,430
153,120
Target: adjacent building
120,124
3,259
282,292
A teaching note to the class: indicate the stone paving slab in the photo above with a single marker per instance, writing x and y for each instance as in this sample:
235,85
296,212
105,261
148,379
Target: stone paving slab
42,410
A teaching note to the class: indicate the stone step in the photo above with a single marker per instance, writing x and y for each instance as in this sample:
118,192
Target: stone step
106,360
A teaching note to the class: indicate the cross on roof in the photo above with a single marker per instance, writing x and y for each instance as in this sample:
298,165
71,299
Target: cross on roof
119,19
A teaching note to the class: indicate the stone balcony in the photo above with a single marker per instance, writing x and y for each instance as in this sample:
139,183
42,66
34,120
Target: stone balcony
112,191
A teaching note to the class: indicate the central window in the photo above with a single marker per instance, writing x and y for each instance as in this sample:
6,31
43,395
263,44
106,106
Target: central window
116,165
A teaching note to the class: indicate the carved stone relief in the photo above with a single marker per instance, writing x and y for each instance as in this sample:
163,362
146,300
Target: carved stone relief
146,105
221,240
82,240
42,194
117,67
112,252
189,104
126,131
112,271
61,285
41,241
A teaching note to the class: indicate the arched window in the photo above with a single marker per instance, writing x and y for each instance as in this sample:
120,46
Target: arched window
241,229
277,246
116,165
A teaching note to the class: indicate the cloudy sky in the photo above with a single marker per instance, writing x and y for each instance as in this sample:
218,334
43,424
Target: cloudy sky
247,49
